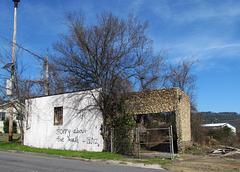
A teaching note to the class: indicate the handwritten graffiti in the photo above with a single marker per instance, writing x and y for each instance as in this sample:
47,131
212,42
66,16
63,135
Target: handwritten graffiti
73,140
75,136
68,131
60,139
63,131
92,141
79,131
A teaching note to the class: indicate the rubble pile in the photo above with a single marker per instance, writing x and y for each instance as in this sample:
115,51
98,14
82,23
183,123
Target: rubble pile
226,152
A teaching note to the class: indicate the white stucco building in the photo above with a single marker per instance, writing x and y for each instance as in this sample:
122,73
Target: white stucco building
69,121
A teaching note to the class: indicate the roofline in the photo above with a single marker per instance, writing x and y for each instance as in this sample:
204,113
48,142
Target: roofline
169,88
226,124
88,89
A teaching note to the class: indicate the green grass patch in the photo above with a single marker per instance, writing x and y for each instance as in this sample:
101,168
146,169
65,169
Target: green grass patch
9,145
15,145
161,161
195,150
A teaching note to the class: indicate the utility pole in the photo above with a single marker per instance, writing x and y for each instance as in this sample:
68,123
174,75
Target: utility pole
47,78
13,71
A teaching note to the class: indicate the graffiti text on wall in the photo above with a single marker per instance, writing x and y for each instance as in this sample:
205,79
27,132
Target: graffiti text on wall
73,136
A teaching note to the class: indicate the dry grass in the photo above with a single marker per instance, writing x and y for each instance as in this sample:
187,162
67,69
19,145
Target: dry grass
4,137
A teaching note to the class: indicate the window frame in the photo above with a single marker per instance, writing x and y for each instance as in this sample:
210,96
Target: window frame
58,115
1,116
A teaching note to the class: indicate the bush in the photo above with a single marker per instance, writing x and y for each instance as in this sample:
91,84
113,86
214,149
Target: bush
222,135
197,130
123,133
124,141
6,126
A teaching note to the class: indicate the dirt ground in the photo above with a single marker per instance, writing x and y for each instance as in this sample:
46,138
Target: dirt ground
199,163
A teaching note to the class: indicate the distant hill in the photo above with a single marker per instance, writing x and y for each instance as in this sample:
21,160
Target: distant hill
232,118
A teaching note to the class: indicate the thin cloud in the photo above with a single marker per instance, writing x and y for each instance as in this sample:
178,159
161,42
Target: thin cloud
190,11
223,46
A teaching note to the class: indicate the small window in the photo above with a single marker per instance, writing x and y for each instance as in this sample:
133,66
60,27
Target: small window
58,115
2,116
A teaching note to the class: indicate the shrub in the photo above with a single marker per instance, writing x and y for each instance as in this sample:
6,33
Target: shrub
123,133
6,126
222,135
197,131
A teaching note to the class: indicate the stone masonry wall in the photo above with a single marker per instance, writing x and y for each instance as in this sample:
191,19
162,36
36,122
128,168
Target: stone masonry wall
165,100
153,101
183,116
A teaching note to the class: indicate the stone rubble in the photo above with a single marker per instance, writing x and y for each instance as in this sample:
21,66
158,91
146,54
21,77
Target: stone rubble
230,152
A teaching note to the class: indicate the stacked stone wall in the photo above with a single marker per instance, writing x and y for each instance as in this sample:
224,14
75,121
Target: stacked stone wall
154,101
165,100
184,121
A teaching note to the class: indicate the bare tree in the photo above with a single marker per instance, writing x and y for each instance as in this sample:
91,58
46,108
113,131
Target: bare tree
180,76
150,68
114,54
105,55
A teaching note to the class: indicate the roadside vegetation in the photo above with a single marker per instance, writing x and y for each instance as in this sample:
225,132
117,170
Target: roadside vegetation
210,138
18,147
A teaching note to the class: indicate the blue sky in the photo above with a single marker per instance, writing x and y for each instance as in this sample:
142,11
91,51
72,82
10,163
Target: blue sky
206,29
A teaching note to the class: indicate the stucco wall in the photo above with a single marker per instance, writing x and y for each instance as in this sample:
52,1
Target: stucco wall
80,130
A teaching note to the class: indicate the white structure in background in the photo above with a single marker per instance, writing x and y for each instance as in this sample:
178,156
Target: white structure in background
5,113
220,125
69,121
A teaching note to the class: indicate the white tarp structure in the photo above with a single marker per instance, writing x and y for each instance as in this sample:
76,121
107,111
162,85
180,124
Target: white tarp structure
69,121
218,125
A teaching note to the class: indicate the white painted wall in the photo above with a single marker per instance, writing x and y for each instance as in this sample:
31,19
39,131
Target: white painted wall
82,120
